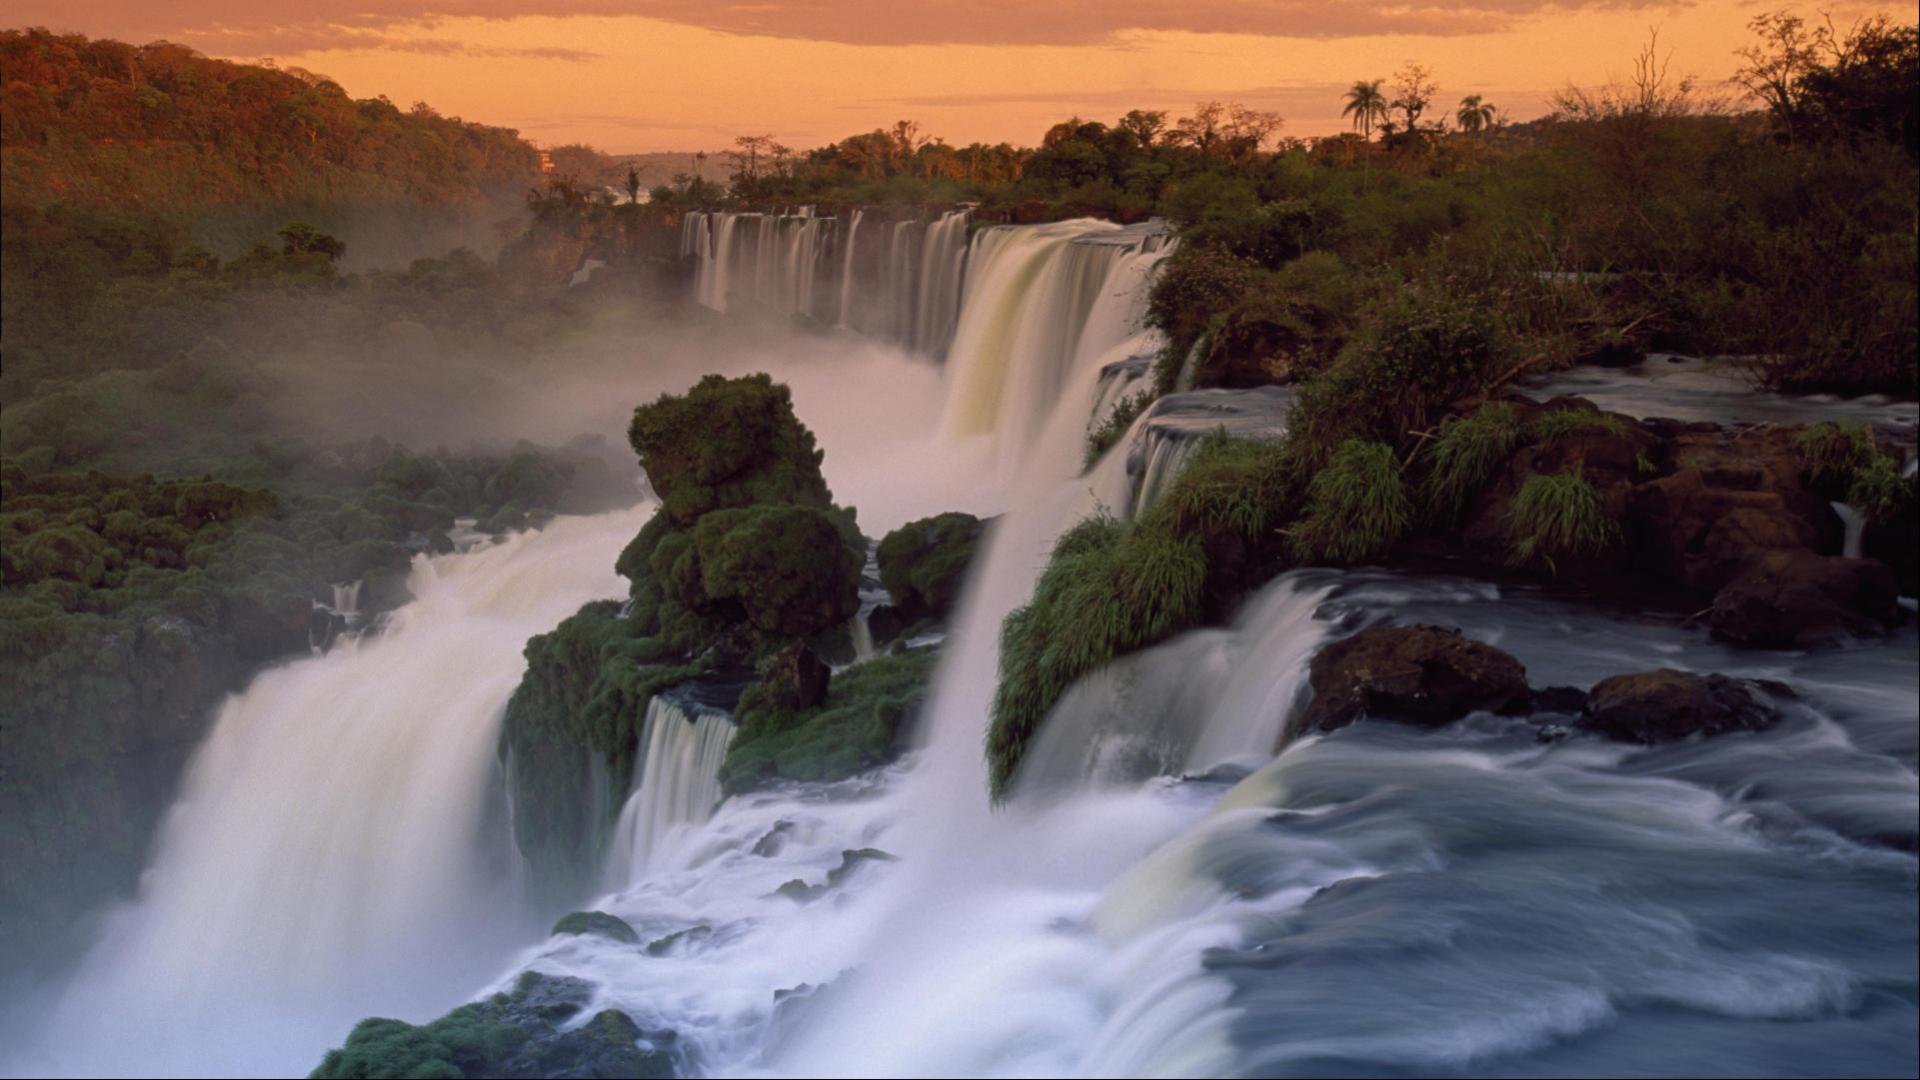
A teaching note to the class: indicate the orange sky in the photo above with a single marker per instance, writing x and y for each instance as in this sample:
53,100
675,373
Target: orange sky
633,75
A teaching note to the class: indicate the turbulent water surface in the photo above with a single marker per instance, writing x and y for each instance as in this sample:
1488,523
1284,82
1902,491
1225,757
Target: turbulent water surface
1177,887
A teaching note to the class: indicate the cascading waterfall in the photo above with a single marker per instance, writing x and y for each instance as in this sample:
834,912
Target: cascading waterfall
1163,896
338,848
681,747
1044,306
897,281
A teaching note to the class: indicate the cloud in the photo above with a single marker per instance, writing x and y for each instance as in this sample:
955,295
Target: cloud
245,27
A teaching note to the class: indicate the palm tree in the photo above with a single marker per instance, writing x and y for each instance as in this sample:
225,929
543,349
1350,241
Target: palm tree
1365,103
1474,114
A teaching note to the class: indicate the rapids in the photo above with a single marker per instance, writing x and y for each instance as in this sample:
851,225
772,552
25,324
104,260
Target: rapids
1177,887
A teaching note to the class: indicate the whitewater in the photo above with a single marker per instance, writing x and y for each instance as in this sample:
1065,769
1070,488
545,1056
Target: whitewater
1176,888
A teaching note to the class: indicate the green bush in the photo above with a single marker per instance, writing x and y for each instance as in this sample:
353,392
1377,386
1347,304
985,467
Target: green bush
1559,424
1464,457
860,725
923,564
1109,589
1357,507
1878,491
1560,517
1115,426
1831,454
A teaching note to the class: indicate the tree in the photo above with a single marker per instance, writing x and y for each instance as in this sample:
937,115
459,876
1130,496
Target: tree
1413,92
746,159
1366,103
1777,65
1145,126
1474,114
300,238
633,185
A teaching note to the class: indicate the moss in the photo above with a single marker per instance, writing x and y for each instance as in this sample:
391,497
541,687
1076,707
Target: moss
1357,507
510,1035
1109,589
727,443
596,924
923,564
1464,456
787,568
1560,517
858,727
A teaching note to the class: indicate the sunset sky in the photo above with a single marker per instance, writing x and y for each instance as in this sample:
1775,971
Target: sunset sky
638,75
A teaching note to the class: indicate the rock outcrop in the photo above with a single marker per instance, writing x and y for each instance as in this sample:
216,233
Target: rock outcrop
1422,675
1668,705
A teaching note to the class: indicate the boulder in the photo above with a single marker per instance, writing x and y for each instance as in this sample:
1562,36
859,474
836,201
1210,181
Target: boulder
1424,675
523,1033
1797,599
1668,705
597,924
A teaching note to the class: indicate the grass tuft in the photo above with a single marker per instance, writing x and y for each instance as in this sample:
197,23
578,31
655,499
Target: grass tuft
1357,507
1560,517
1465,456
1573,423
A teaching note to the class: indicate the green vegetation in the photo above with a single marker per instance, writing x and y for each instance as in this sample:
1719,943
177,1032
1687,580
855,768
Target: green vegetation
1557,518
1464,456
1357,507
923,564
597,924
746,557
1109,589
1831,454
509,1035
103,123
1878,491
1125,412
858,726
1572,423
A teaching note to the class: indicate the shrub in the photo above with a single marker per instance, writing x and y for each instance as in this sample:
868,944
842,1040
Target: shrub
1878,491
1464,457
1115,426
859,726
1831,454
1557,517
1573,423
923,564
1357,507
1109,589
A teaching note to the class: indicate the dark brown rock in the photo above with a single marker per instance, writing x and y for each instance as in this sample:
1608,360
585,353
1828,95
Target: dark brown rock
1424,675
1668,705
797,679
1797,599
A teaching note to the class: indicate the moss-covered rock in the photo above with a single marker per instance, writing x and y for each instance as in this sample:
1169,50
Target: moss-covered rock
861,724
597,924
923,564
526,1033
747,557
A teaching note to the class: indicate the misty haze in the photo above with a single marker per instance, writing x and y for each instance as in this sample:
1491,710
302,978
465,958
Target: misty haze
645,540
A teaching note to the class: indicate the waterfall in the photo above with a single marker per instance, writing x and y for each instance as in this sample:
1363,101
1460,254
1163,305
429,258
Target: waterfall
681,748
1856,527
1166,435
846,272
1043,304
338,849
943,258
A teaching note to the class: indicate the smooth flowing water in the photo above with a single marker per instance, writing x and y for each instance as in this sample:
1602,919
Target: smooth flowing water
1176,887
